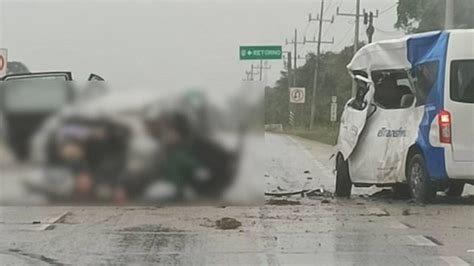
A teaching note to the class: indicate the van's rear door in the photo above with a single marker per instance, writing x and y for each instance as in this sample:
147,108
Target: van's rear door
461,107
459,94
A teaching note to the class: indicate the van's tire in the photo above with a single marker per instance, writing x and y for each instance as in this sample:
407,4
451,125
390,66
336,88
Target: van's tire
343,179
455,189
421,187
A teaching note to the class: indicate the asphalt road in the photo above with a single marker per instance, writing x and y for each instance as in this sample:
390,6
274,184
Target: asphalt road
319,230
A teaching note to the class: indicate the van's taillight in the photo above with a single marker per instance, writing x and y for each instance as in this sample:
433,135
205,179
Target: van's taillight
444,123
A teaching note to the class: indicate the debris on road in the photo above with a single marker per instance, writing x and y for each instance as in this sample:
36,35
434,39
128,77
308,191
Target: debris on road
376,212
306,172
320,193
382,194
282,202
305,192
227,223
302,192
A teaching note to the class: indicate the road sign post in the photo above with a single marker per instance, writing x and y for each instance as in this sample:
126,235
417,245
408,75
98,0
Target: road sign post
297,95
267,52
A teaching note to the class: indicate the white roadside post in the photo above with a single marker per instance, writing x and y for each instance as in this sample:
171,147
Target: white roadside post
333,115
3,73
3,62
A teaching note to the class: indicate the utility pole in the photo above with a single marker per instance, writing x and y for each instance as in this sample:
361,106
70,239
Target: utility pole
357,17
299,57
290,106
320,18
449,15
369,20
356,33
247,76
288,68
251,72
287,64
261,68
295,49
296,52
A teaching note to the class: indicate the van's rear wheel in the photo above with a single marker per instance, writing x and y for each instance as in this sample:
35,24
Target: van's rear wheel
421,187
455,189
343,180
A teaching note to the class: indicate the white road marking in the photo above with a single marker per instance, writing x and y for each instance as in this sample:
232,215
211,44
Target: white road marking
422,240
50,222
470,251
397,225
454,261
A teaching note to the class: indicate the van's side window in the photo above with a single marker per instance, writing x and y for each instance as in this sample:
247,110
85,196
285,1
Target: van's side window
359,102
392,89
426,75
362,89
462,81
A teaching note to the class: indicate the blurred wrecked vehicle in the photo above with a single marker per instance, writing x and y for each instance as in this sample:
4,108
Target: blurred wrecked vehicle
124,146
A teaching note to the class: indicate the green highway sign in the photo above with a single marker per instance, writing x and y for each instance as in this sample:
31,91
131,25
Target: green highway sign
268,52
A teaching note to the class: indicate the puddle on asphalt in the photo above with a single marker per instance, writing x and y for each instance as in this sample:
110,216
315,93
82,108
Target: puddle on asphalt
151,228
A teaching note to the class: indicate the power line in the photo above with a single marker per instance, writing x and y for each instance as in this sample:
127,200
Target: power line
295,48
357,15
387,31
320,18
388,8
343,38
306,28
329,6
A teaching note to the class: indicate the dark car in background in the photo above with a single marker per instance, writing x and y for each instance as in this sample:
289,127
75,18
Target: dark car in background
26,100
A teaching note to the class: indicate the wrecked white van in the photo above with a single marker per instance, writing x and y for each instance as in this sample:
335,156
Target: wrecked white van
411,124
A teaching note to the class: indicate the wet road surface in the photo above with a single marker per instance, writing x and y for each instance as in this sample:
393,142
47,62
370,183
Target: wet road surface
317,230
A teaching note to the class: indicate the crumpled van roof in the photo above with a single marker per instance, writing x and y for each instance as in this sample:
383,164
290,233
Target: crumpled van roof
389,54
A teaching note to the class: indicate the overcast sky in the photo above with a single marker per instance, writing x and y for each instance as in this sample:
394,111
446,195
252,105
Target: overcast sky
171,44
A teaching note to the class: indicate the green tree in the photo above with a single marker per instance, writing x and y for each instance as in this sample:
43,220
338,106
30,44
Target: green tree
334,81
15,67
426,15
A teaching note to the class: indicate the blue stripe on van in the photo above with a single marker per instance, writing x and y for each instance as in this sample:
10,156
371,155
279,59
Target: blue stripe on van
423,49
